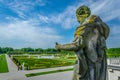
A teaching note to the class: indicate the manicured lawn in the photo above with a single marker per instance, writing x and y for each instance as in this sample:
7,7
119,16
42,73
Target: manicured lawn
3,64
48,72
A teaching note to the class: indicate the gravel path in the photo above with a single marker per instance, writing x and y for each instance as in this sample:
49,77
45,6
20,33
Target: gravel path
11,66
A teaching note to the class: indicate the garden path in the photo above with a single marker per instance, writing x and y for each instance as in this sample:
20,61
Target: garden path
11,66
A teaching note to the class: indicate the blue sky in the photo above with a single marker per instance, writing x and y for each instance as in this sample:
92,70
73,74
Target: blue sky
41,23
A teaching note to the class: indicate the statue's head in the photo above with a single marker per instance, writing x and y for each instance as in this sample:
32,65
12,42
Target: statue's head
82,13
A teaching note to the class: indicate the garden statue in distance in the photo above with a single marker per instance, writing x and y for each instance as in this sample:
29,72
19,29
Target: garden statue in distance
89,45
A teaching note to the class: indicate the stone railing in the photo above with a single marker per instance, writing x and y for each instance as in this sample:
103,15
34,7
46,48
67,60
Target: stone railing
113,61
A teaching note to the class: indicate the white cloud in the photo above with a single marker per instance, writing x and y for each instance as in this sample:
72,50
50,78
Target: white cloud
107,9
27,35
43,19
23,6
66,19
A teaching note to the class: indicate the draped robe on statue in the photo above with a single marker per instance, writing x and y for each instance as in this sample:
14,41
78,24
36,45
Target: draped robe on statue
89,45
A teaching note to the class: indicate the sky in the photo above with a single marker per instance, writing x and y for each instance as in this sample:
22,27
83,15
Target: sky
41,23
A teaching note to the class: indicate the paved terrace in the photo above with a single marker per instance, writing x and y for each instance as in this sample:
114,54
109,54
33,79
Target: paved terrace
114,68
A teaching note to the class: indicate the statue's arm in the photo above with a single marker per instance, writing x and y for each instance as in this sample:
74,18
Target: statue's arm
75,45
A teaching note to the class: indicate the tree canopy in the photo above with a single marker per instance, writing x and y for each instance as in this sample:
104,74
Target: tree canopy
111,52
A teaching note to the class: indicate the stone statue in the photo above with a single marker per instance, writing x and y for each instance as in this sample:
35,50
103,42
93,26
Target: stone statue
89,45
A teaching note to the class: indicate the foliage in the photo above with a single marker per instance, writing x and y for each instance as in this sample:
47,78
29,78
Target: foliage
30,50
113,52
5,49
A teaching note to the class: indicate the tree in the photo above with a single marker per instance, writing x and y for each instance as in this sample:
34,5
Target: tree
29,49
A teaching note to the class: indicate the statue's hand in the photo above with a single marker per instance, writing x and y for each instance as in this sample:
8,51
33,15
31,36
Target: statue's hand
57,46
56,43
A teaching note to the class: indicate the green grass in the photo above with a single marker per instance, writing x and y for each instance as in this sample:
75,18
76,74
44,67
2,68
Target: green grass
48,72
110,55
3,64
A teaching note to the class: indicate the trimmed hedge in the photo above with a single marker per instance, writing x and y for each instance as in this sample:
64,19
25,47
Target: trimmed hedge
33,63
